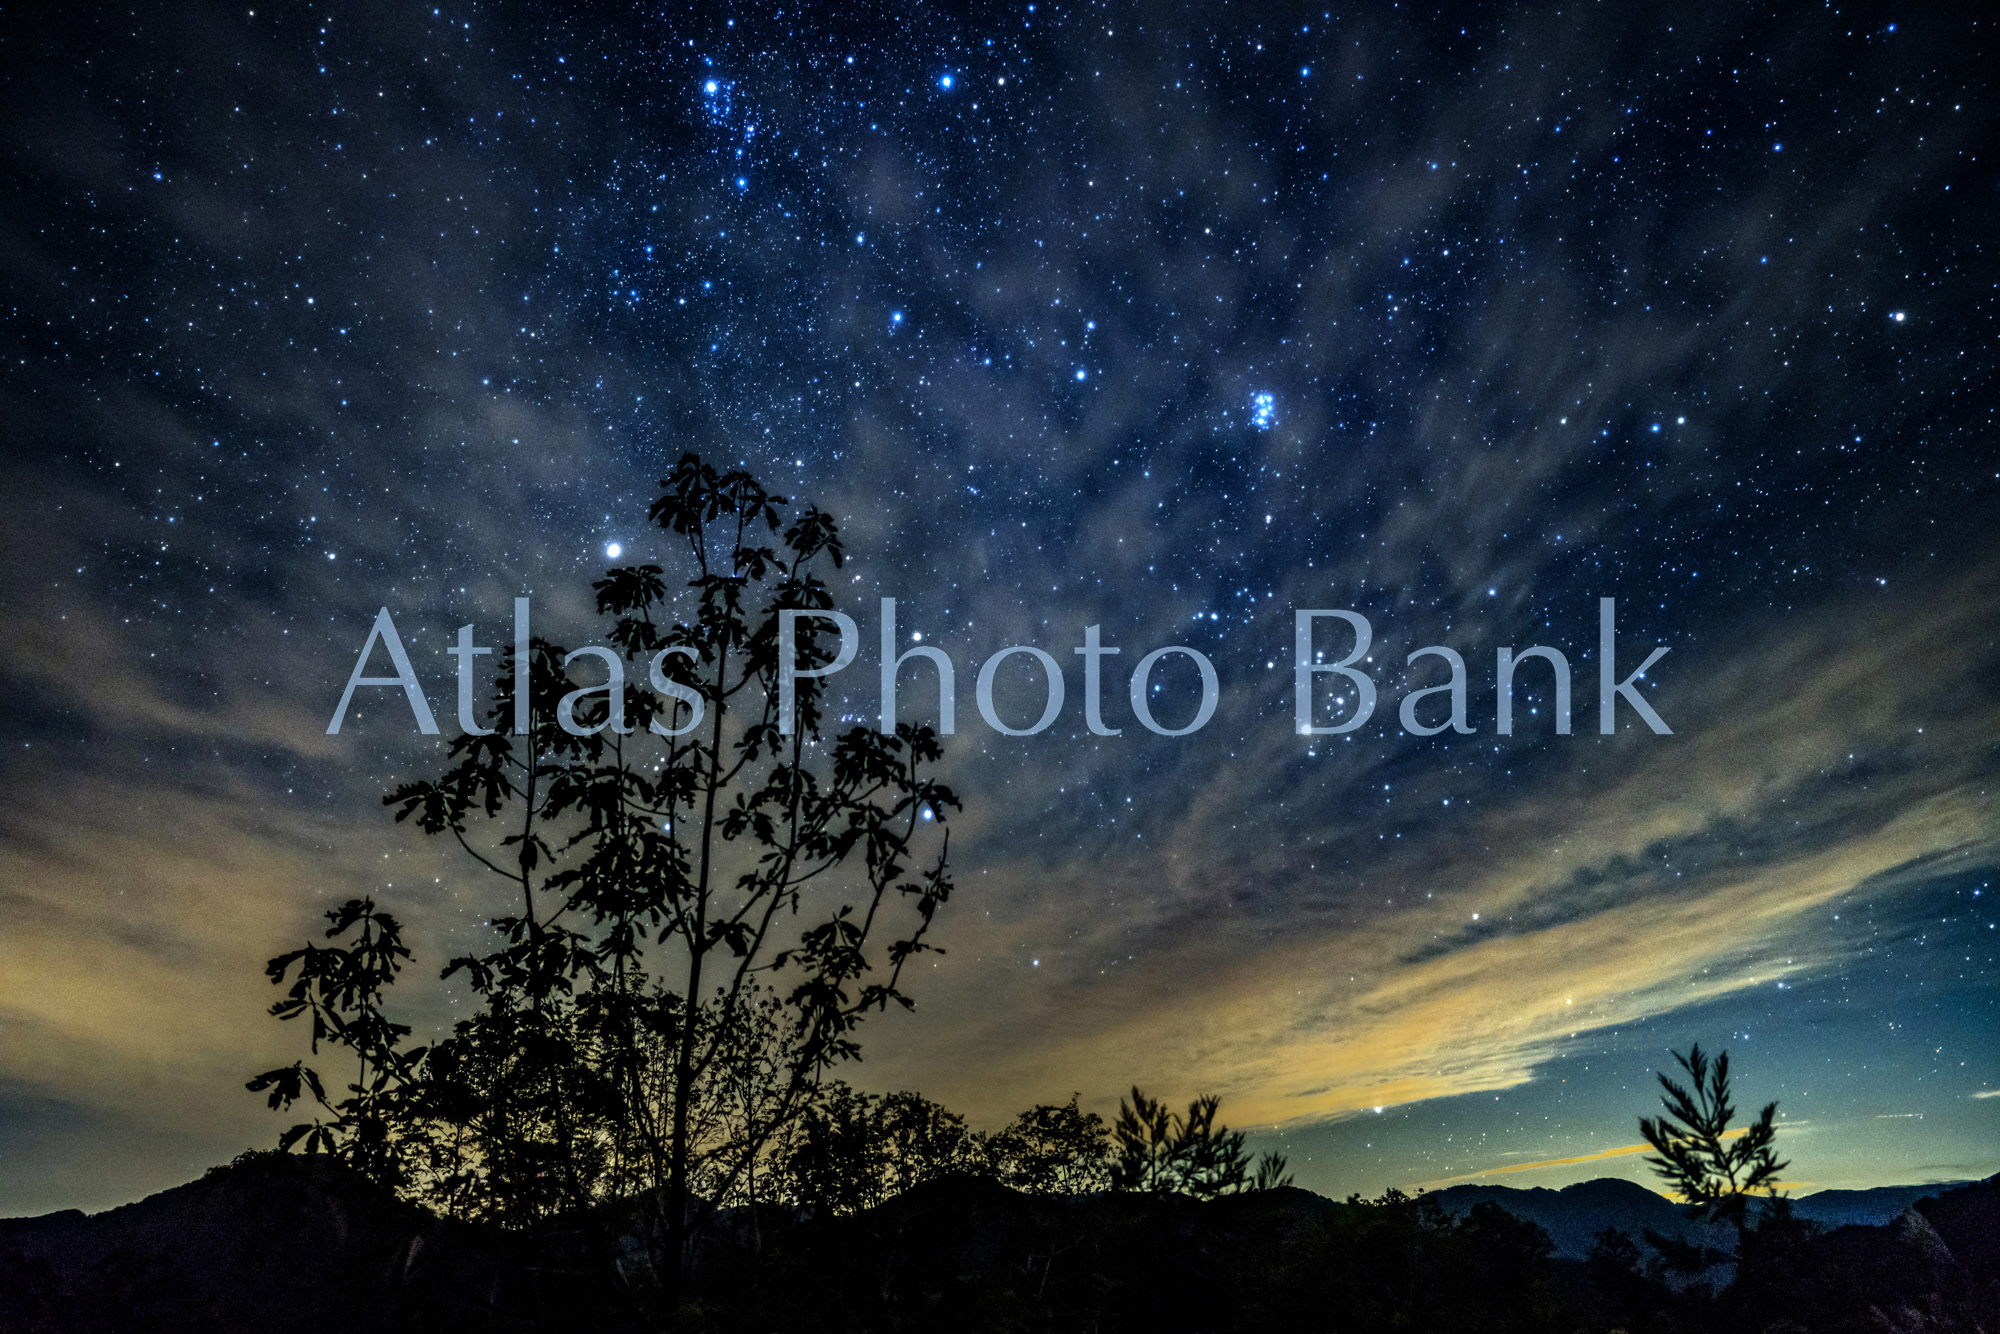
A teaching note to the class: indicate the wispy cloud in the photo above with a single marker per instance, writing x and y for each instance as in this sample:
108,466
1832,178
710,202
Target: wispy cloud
1654,877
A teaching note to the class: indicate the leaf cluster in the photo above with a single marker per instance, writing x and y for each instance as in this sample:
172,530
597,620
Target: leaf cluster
1697,1154
1161,1152
339,988
853,1151
698,908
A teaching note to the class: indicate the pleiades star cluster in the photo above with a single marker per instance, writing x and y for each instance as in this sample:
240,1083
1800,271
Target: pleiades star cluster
1166,320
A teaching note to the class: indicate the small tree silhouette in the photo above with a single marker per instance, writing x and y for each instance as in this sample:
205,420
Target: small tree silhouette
1209,1159
1697,1156
340,988
1159,1152
1053,1150
701,915
1144,1135
1273,1172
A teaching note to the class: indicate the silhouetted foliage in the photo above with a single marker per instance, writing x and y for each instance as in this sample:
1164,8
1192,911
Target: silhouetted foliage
1622,1291
1053,1149
1273,1173
1696,1154
339,987
852,1151
300,1237
1157,1151
699,902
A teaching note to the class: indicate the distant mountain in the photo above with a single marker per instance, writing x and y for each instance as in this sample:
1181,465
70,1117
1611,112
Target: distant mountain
1574,1215
280,1241
1883,1204
297,1235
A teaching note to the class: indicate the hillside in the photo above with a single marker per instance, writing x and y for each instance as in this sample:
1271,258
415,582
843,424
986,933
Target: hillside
1574,1215
277,1240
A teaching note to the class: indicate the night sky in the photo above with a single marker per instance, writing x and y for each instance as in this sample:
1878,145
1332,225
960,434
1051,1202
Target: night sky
1173,321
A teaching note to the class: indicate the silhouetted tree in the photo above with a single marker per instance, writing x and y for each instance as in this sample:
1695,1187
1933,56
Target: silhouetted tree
851,1151
1053,1149
1157,1151
923,1141
1697,1155
339,987
664,850
1613,1268
1209,1159
831,1159
1143,1140
1272,1172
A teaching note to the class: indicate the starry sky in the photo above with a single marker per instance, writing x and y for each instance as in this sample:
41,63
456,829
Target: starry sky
1168,320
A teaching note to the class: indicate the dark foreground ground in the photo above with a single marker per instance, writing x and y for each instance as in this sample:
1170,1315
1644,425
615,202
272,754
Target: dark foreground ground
278,1242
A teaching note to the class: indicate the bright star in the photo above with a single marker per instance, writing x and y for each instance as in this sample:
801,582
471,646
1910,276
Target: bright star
612,550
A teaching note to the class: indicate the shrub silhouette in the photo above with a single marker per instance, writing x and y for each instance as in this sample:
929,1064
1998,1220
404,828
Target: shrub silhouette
1697,1155
700,895
1053,1150
1159,1152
